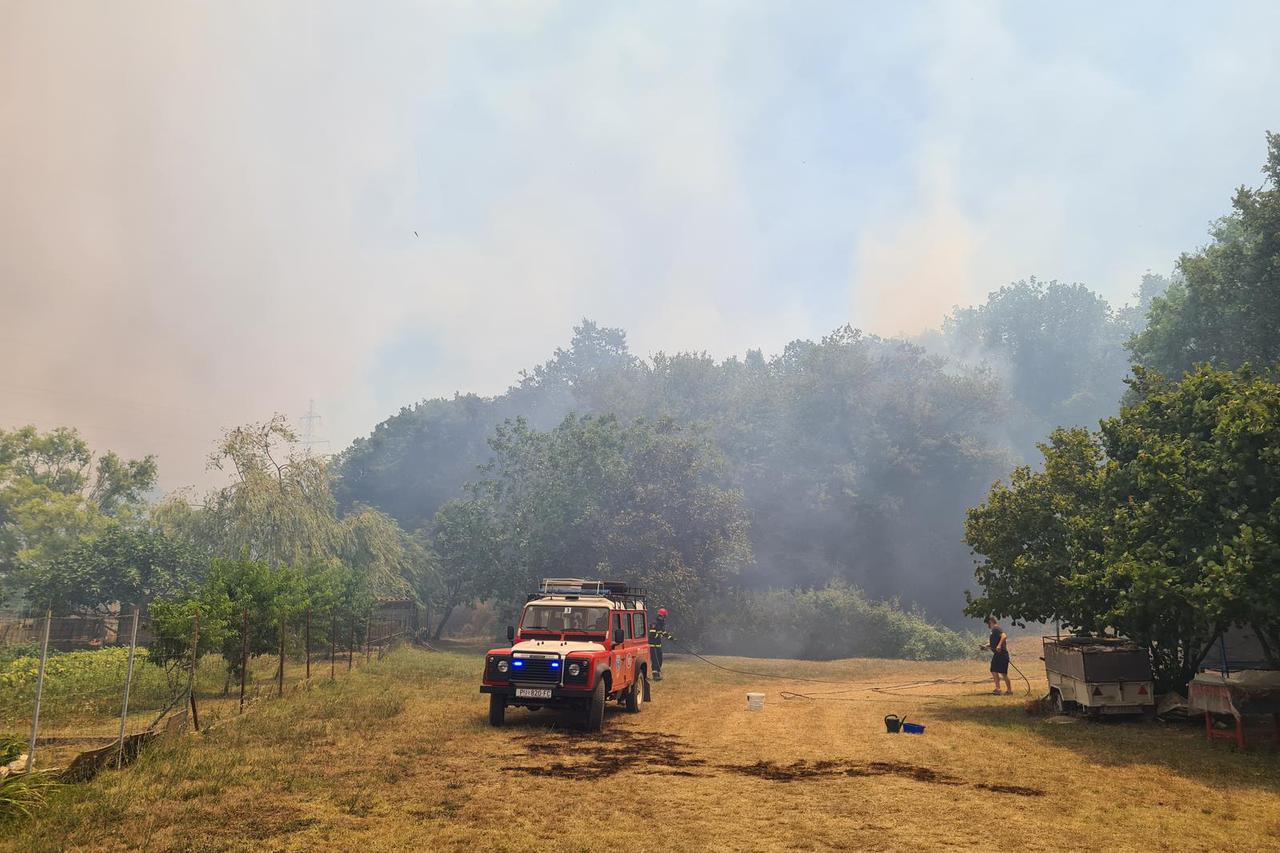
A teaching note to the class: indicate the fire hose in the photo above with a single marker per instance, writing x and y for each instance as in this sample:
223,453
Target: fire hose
833,695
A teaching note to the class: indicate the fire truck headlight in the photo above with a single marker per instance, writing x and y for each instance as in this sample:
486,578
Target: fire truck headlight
502,666
574,669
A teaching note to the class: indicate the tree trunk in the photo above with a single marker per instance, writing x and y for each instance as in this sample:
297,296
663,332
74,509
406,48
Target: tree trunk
1270,651
444,620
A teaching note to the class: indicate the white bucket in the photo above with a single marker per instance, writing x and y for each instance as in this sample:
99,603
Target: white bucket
755,701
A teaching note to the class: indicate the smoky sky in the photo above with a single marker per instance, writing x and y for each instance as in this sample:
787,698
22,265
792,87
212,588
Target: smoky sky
208,211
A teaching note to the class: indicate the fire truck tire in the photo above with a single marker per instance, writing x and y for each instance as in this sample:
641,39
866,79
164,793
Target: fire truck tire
635,696
595,711
497,709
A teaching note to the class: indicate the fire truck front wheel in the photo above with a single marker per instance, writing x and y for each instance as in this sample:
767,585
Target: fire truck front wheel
595,711
497,709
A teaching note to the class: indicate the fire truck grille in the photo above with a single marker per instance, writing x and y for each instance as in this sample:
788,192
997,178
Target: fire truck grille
540,670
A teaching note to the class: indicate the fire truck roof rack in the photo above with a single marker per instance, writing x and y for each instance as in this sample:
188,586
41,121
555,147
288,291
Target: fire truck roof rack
617,590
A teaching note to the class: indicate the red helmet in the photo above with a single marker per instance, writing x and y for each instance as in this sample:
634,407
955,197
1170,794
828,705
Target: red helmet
662,611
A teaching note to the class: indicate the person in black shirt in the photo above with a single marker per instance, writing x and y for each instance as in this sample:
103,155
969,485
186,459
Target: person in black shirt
999,646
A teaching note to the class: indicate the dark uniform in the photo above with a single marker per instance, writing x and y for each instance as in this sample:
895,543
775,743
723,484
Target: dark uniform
657,632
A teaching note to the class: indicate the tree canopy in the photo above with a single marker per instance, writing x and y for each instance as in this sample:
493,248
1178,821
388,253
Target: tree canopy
593,497
54,493
1225,308
856,457
1060,349
1164,527
123,565
279,510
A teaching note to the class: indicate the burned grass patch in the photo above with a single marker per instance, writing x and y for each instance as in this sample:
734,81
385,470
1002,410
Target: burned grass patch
596,756
805,770
1011,789
599,755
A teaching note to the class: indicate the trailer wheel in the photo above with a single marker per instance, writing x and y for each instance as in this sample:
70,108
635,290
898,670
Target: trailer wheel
497,709
595,711
636,695
1059,707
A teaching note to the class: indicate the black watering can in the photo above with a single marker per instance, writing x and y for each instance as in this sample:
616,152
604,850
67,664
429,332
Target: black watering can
892,724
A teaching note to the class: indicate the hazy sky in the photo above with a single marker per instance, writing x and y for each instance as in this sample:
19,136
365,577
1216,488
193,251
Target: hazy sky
207,210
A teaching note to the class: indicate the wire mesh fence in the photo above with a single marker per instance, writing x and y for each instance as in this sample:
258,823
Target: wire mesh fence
72,683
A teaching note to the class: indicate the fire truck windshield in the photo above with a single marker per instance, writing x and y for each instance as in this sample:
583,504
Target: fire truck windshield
565,618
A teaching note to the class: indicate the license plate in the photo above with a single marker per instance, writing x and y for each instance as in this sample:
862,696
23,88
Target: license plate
533,692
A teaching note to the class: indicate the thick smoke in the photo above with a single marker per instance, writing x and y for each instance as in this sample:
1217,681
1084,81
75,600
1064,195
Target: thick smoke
207,212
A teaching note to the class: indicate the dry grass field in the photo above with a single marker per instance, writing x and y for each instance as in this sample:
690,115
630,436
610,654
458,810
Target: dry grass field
400,756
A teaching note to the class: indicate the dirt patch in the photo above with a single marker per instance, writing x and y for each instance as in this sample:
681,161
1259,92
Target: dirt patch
805,770
1011,789
596,756
600,755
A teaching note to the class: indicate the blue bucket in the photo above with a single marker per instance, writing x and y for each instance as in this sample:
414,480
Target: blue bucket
913,728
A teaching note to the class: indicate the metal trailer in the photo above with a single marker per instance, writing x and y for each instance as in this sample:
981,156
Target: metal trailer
1093,676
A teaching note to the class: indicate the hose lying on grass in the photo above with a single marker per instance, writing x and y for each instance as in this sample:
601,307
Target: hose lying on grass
833,695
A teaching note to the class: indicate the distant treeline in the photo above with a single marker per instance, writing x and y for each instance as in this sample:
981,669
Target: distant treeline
856,456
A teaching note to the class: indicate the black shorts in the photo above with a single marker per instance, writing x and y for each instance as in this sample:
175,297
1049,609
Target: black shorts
1000,664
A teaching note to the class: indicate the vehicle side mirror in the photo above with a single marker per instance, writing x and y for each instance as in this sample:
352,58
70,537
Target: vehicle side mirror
618,636
511,633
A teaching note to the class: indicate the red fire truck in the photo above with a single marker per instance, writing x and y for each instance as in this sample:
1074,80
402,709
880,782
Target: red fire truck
580,644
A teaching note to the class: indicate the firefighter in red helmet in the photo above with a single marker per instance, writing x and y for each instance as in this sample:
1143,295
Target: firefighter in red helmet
657,633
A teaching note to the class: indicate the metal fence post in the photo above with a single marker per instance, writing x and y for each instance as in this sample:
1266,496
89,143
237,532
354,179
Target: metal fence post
368,624
351,645
333,645
128,683
244,656
35,714
191,678
280,672
307,642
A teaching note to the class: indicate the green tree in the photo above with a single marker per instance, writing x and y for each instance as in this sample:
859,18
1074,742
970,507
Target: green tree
1039,539
123,565
270,598
1163,528
642,502
1059,346
465,539
54,493
278,507
1195,490
279,510
1225,309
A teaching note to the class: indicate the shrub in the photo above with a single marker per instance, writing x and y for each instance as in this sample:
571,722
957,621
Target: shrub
20,793
837,621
